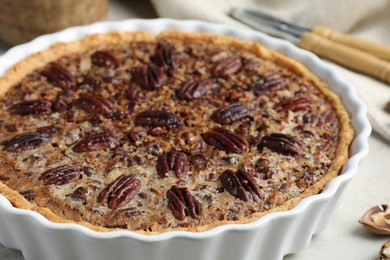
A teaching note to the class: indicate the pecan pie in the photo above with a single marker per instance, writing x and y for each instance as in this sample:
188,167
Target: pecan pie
179,131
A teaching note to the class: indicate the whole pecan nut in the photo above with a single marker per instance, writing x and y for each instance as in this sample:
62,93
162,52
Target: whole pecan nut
227,67
32,107
105,59
157,118
59,76
295,104
26,141
182,203
120,192
280,143
240,184
268,83
95,104
194,89
225,140
149,78
173,160
60,175
231,114
96,142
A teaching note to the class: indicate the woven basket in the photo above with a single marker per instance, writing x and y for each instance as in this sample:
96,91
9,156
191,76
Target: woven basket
22,20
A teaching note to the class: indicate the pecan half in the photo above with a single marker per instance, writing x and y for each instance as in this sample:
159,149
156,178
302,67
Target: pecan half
225,140
90,82
240,184
173,160
231,114
105,59
166,55
199,161
156,118
280,143
267,83
88,171
50,129
295,104
59,76
149,78
96,142
26,141
80,194
61,175
28,194
182,203
32,107
120,192
227,67
194,89
94,104
4,178
327,118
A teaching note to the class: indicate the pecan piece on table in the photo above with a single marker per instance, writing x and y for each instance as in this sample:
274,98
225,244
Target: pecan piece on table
384,252
230,114
295,104
377,219
158,118
60,175
227,67
241,184
173,160
94,104
194,89
166,55
280,143
225,140
149,78
105,59
182,203
120,192
268,83
26,141
59,76
96,142
32,107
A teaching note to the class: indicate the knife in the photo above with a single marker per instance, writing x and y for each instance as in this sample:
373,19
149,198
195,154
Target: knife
357,54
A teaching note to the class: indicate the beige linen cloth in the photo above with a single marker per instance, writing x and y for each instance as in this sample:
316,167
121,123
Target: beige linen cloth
366,19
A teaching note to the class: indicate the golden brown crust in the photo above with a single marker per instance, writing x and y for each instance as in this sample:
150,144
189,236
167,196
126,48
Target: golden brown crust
39,60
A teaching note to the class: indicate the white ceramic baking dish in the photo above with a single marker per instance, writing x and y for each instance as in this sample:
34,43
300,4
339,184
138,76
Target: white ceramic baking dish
270,237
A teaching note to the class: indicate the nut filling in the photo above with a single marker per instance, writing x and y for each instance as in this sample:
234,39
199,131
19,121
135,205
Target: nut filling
178,131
